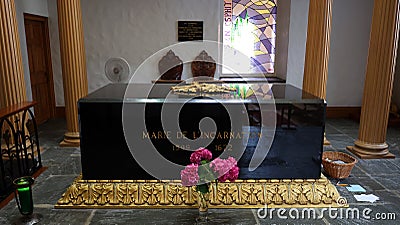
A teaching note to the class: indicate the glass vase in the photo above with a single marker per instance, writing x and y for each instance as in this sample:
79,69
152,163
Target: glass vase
202,203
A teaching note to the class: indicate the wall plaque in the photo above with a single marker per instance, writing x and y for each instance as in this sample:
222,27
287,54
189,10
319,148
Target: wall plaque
190,30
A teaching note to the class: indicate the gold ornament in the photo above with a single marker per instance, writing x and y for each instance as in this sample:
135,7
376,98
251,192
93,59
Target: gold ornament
171,194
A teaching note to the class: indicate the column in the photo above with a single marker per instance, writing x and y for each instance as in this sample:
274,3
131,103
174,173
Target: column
317,48
73,65
12,83
371,142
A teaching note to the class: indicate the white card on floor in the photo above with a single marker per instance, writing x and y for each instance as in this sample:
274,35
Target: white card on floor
356,188
366,198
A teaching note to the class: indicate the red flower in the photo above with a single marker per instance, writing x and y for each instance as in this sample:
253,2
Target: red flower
200,154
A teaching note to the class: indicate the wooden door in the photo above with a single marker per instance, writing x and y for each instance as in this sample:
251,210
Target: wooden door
38,44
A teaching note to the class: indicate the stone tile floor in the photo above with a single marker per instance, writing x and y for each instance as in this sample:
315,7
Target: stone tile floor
379,177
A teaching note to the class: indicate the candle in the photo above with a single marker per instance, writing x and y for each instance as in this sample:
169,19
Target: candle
25,197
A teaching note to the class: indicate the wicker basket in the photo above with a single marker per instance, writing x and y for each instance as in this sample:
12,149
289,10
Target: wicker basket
336,170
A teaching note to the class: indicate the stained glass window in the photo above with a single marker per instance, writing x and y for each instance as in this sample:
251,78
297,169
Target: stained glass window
250,30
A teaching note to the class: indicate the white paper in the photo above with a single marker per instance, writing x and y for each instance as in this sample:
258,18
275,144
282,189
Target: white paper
366,198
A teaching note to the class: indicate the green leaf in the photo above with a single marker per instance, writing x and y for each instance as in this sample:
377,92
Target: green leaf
203,188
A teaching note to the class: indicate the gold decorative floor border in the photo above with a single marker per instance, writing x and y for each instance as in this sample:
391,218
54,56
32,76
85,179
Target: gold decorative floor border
297,193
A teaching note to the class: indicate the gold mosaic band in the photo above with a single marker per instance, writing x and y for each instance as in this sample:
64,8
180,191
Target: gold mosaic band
297,193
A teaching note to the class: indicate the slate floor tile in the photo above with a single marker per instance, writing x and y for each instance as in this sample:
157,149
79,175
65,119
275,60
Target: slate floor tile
389,182
49,191
340,141
331,129
378,166
169,216
61,217
368,183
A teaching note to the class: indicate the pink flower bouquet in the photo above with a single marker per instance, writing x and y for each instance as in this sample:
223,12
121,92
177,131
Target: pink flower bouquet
202,170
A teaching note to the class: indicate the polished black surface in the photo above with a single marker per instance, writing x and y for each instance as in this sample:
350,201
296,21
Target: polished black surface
151,93
299,120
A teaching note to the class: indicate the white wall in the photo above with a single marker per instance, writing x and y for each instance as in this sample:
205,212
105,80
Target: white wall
136,29
133,30
36,7
297,42
351,25
351,22
55,52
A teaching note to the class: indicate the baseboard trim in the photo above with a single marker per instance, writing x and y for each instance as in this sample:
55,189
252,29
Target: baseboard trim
343,112
60,112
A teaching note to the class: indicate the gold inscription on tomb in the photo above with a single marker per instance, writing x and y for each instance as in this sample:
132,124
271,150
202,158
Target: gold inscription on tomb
157,135
222,135
180,147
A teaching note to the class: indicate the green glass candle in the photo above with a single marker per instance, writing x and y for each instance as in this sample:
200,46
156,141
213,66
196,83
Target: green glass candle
24,194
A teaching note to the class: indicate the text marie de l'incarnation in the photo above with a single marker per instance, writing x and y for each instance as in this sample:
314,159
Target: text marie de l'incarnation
155,135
